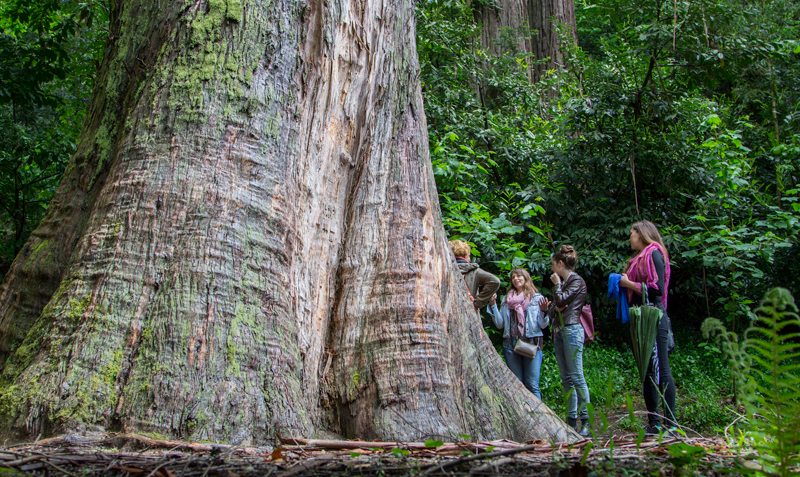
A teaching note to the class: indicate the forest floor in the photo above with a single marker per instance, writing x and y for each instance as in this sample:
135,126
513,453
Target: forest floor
128,455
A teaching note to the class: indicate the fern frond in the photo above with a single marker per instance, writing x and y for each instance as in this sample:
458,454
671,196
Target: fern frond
773,347
738,361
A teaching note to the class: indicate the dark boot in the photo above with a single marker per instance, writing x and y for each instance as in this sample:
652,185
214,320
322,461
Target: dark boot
572,422
586,430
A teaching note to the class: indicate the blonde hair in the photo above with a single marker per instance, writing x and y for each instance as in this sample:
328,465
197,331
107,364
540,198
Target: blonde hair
460,248
528,288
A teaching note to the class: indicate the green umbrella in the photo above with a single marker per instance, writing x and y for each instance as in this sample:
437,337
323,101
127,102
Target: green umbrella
644,328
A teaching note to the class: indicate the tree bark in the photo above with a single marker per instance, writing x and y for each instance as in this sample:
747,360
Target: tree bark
248,241
546,17
506,27
527,26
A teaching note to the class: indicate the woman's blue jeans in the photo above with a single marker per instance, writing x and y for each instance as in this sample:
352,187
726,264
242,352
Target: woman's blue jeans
525,369
568,343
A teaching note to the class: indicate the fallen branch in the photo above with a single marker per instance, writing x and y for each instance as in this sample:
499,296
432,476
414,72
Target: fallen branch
487,455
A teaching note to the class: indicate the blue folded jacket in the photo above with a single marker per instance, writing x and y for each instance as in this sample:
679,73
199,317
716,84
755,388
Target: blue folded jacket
618,294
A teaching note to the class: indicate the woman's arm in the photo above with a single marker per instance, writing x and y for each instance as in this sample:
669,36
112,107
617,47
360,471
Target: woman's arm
658,262
488,284
542,317
497,318
627,283
564,294
535,314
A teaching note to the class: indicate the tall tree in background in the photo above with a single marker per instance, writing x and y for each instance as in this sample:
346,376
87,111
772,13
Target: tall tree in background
505,26
548,18
527,26
248,240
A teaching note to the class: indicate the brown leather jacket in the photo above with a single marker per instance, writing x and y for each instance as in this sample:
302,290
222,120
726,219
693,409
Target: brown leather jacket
571,293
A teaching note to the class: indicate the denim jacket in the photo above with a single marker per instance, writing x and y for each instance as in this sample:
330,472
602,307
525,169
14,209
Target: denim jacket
535,319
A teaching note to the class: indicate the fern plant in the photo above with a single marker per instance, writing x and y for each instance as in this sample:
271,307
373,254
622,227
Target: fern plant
766,365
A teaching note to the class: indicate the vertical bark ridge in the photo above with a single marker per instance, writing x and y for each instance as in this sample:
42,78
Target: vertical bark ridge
179,275
404,336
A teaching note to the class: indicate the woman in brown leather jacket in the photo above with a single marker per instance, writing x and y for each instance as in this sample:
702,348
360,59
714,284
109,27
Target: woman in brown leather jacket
569,296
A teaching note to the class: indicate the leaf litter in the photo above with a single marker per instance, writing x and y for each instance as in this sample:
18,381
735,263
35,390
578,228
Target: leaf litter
133,455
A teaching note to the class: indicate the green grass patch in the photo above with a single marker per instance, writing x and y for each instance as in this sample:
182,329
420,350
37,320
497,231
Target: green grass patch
704,386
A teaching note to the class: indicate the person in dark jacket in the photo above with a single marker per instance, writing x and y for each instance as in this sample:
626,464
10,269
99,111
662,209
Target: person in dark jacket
569,296
481,284
650,265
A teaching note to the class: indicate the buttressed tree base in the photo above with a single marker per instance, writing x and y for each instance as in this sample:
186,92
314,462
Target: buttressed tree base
248,241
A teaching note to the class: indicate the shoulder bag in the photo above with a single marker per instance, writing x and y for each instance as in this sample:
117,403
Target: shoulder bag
523,348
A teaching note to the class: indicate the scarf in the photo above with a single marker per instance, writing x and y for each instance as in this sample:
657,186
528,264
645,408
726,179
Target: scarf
621,297
642,269
518,304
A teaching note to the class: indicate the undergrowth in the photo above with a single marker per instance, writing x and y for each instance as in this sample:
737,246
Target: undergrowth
716,377
704,388
766,367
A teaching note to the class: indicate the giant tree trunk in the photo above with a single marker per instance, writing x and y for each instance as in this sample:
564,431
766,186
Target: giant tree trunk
248,241
528,26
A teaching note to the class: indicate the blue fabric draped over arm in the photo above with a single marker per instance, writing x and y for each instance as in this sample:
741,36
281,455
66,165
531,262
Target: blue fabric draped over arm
615,293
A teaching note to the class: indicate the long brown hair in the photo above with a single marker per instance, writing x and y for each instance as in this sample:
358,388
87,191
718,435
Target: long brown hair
649,233
528,288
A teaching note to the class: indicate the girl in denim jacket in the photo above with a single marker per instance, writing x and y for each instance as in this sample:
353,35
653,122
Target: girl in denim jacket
520,317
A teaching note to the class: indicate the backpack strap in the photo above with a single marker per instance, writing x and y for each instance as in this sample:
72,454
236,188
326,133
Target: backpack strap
471,298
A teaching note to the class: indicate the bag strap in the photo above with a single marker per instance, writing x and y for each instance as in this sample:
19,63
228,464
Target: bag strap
471,298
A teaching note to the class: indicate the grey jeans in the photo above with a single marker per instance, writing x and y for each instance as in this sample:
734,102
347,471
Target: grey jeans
568,343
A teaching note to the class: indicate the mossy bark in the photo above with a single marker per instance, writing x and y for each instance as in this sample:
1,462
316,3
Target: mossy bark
248,241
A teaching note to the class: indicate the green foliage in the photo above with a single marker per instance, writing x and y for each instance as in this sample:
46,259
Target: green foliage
704,386
605,369
400,452
775,376
685,114
481,112
49,52
683,454
766,363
